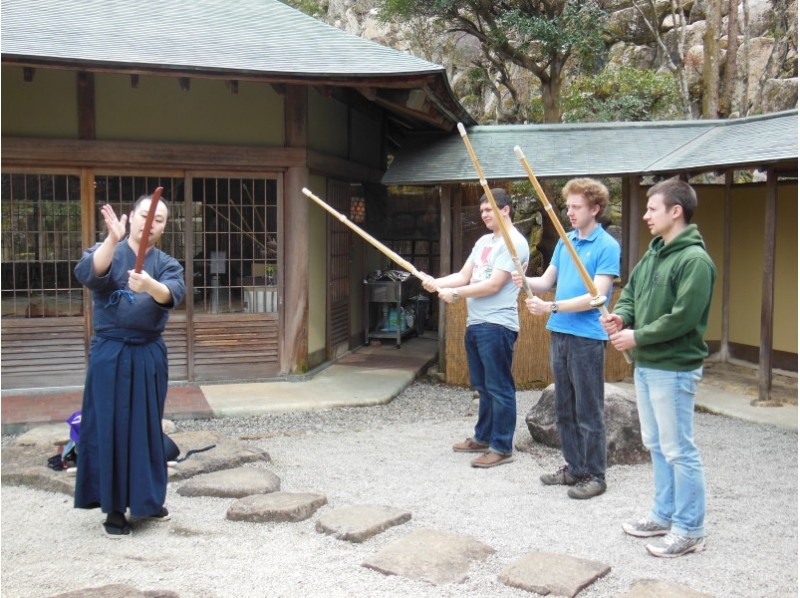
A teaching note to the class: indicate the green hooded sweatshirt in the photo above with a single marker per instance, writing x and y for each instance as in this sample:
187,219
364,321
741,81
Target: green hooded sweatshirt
667,302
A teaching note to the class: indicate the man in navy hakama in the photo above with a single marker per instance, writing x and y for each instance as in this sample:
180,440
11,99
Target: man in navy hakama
121,462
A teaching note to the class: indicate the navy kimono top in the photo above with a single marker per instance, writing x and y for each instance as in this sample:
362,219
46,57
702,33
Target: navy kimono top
116,307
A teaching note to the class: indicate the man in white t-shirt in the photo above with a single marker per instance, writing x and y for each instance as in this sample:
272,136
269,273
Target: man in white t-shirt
492,328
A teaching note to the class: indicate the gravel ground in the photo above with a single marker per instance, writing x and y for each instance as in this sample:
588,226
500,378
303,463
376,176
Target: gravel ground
399,455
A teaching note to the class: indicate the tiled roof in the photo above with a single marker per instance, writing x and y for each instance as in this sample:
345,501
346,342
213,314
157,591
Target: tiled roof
260,37
605,149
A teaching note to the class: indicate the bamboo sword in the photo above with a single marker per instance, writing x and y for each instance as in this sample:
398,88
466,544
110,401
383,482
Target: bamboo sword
496,211
597,300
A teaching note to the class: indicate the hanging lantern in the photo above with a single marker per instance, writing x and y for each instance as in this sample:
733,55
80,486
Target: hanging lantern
358,212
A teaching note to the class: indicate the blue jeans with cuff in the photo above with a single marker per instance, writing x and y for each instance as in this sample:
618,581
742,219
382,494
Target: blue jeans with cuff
490,351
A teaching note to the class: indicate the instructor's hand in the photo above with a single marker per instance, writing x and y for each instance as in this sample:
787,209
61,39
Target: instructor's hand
115,226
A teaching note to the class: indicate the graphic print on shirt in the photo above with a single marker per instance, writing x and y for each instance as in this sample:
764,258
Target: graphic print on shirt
483,269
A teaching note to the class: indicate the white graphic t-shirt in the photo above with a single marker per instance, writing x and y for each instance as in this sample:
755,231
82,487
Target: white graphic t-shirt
490,252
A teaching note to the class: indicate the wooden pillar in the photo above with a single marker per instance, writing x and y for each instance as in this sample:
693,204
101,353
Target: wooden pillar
768,290
293,278
188,259
88,239
724,349
631,224
634,251
625,224
445,261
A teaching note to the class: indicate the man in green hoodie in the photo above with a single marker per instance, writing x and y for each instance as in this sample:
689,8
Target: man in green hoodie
661,318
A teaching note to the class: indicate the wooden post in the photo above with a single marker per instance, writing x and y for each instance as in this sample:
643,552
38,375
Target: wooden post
768,291
445,261
724,349
634,224
293,212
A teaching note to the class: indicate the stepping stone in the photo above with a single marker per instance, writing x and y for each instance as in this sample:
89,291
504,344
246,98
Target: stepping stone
232,483
278,506
226,454
360,522
117,591
429,555
48,436
546,573
25,463
653,588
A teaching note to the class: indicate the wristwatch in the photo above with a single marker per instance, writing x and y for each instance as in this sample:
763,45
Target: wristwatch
455,296
554,307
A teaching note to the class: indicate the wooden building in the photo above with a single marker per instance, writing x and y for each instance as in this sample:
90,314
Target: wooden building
232,107
750,229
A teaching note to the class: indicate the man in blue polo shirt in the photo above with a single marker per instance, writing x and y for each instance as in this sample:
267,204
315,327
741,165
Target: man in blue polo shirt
577,339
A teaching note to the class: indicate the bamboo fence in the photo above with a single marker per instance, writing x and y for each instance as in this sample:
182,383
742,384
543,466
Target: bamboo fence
531,353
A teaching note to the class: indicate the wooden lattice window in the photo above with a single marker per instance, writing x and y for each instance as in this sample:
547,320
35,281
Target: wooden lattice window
41,243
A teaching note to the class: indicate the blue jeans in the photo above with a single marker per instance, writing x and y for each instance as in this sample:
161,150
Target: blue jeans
490,350
578,366
666,411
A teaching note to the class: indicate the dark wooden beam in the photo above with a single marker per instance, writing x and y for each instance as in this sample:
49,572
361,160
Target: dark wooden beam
724,341
86,113
768,291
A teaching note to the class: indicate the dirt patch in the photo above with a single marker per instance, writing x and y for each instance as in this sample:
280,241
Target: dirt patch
744,379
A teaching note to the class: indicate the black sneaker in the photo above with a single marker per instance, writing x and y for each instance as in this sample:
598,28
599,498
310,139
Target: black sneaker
561,477
588,487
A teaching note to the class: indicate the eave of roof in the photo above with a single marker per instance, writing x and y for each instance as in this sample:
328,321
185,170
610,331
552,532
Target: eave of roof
598,149
244,39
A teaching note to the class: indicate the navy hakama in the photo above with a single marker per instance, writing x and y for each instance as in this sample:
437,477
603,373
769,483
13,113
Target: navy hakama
121,461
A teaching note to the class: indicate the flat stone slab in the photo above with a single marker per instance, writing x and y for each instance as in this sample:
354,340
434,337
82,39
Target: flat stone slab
431,556
360,522
547,573
48,436
25,462
278,506
227,454
232,483
653,588
117,591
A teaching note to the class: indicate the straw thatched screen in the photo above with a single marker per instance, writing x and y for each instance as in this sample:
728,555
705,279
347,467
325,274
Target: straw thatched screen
531,353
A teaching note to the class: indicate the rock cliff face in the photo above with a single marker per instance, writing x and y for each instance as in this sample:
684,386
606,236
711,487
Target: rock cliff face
759,26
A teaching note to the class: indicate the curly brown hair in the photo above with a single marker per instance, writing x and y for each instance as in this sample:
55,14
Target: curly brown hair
595,193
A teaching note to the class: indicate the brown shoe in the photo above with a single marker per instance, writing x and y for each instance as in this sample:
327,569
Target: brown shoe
490,459
470,446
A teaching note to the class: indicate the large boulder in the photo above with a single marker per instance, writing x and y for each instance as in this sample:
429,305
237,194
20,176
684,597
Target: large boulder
623,433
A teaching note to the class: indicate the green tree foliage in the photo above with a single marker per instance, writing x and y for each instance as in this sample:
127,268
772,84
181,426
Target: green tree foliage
542,37
310,7
621,94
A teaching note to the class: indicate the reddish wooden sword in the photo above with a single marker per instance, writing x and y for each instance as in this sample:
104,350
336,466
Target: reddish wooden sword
148,224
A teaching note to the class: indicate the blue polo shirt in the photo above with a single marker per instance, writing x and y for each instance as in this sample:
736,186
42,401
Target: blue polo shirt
600,254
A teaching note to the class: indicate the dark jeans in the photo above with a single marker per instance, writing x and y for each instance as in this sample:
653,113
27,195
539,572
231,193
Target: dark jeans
490,350
578,371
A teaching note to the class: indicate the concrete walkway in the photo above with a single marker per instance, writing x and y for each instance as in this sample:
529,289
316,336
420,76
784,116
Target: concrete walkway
367,376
